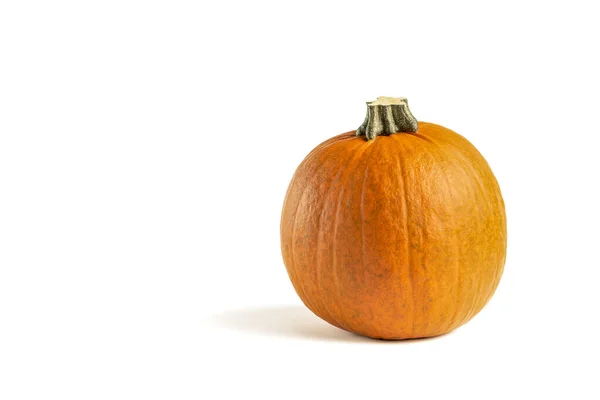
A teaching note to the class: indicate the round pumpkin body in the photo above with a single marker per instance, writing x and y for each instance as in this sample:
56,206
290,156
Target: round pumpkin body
402,236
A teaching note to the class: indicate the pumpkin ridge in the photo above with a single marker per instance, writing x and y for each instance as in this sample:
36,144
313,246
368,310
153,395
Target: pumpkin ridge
468,314
302,288
338,207
332,183
310,156
455,240
401,180
496,281
503,262
362,200
477,306
427,323
420,136
474,308
500,201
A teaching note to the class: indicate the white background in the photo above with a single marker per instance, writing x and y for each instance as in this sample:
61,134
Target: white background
145,151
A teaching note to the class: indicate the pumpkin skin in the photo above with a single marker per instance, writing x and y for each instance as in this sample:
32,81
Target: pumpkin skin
399,237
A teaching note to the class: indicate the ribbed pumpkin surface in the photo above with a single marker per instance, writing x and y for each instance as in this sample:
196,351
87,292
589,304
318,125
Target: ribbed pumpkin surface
403,236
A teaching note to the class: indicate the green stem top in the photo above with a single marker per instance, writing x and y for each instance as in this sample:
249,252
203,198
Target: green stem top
386,116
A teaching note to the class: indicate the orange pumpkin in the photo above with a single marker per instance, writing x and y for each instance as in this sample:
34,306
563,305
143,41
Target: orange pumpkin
396,230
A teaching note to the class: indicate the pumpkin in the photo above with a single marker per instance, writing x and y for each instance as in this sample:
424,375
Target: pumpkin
396,230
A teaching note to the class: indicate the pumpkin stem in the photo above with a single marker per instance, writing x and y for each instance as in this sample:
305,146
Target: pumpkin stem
385,116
